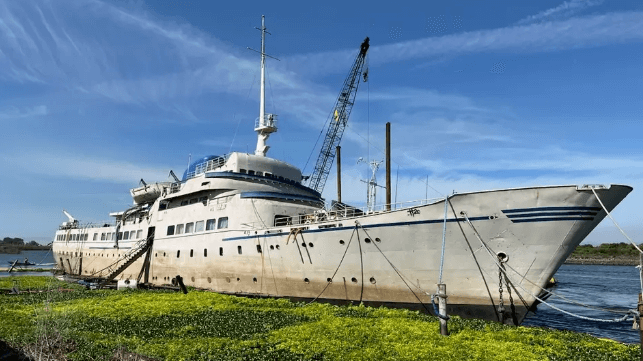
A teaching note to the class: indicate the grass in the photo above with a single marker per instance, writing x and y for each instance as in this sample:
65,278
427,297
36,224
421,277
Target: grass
94,325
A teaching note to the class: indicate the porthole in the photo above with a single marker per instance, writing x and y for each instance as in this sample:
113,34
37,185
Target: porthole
378,240
372,280
227,279
238,279
192,278
254,279
354,280
306,280
272,247
310,244
277,246
367,240
341,241
329,280
209,280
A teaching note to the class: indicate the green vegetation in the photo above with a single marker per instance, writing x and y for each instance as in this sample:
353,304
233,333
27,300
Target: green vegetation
606,249
209,326
15,245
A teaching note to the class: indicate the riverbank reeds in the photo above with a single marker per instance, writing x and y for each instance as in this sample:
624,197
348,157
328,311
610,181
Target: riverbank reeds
81,325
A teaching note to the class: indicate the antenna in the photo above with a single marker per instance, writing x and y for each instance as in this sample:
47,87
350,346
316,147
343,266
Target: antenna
371,188
266,123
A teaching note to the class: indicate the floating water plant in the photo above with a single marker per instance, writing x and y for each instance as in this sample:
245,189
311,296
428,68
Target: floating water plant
163,325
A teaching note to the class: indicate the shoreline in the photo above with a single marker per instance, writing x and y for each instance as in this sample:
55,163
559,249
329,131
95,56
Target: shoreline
604,261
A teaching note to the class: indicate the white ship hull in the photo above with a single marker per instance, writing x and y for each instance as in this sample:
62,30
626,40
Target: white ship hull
393,258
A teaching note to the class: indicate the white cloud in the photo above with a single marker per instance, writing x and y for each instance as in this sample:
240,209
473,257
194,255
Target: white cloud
566,9
581,32
28,112
85,167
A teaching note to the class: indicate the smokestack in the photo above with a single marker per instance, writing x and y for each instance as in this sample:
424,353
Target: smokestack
388,166
339,174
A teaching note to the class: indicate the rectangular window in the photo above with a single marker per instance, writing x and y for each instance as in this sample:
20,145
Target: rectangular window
259,173
178,253
139,233
120,236
258,248
162,206
199,226
239,249
179,229
170,230
191,253
102,236
203,199
220,251
205,252
109,236
194,200
126,236
211,224
242,171
113,236
86,236
183,203
189,227
251,172
282,220
223,222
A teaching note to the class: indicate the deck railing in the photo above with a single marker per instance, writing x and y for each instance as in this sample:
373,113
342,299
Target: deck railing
201,168
347,213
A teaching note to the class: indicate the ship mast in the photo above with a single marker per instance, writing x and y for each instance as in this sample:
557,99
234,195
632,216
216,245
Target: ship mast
266,123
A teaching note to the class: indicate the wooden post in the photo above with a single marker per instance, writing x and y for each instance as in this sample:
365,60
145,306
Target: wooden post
339,174
388,166
442,307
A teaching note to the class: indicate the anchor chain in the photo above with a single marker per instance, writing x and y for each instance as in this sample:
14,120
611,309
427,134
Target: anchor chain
507,283
501,305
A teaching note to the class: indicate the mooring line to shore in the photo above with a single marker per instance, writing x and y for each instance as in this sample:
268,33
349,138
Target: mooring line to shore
631,314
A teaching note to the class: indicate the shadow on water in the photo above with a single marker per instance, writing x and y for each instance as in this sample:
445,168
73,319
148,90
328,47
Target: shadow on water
608,287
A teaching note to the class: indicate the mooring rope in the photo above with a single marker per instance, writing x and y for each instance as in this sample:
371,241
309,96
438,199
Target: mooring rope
336,269
613,220
444,237
396,270
484,280
629,315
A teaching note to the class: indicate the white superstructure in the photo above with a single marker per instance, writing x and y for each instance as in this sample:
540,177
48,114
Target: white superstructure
245,224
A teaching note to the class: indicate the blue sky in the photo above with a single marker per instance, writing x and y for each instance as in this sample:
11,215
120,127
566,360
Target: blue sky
95,95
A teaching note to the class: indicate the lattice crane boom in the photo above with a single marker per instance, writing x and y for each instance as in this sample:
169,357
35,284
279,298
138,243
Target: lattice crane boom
338,121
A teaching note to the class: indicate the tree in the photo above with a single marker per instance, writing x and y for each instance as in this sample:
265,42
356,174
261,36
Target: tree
13,241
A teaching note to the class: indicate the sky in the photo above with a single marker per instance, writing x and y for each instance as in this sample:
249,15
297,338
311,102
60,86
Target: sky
95,95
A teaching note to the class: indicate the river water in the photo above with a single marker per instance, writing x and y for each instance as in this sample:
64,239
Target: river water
612,287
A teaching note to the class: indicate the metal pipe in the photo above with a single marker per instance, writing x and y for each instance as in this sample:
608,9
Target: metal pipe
388,166
442,305
339,174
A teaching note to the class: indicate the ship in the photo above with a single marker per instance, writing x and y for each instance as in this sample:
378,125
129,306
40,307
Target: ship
250,225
